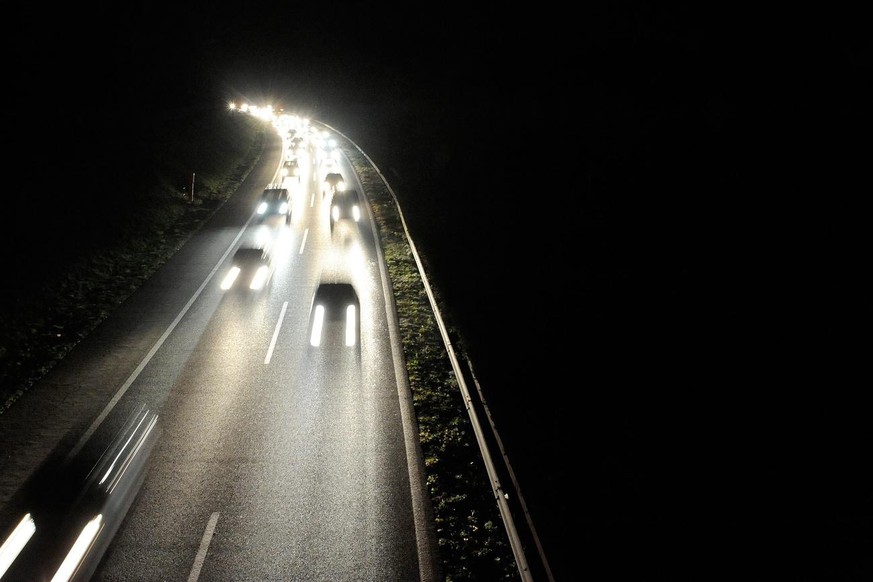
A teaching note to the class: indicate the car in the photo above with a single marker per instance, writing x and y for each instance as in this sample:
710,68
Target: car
275,201
328,158
297,145
251,269
335,315
291,169
68,512
345,205
333,182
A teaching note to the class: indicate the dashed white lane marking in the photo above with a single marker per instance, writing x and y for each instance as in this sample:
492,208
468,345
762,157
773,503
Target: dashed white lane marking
204,547
276,333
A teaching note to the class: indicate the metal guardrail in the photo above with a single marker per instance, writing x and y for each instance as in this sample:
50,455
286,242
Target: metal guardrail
500,494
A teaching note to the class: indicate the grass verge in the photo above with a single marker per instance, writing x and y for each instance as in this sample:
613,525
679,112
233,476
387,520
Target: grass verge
37,331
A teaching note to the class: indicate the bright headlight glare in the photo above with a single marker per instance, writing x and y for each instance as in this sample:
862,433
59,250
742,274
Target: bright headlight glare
262,207
356,213
79,550
351,326
334,212
231,276
317,324
16,542
283,208
260,278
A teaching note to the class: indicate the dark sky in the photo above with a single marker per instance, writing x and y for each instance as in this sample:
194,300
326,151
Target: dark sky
595,189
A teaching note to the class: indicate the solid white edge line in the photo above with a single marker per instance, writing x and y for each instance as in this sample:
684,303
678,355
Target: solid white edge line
130,380
276,333
204,547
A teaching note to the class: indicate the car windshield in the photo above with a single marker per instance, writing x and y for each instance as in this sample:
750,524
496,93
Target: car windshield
248,255
273,195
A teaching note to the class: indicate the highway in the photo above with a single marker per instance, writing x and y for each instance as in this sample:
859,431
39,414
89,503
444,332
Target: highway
269,458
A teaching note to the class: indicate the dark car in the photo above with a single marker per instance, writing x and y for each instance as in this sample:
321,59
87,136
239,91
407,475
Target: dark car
335,316
66,515
275,201
297,145
345,205
333,182
251,269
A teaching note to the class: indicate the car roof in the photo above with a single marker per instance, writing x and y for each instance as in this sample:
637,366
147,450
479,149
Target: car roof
249,254
276,193
335,294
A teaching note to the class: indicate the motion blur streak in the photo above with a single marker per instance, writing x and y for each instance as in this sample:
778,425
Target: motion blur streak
350,325
128,458
230,278
259,279
315,337
16,542
79,550
74,508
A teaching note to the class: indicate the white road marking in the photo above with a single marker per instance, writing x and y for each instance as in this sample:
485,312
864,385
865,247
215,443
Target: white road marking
276,333
204,547
303,243
117,396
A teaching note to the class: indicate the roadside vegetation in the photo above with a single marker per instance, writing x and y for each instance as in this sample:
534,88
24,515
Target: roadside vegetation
41,325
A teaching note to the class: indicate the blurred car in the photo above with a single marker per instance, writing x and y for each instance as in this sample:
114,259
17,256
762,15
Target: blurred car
333,182
335,316
275,201
345,205
329,157
251,268
69,511
291,169
297,145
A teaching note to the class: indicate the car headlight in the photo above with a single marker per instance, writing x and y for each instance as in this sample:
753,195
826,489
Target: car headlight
260,278
231,276
262,207
283,208
351,325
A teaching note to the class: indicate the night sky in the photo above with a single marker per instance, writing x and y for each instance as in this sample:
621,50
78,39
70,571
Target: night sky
610,208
